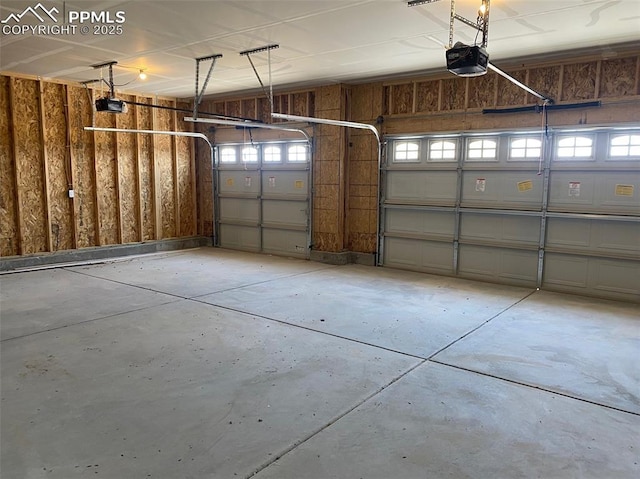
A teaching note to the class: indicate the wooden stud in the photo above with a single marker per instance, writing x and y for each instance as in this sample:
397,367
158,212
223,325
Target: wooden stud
72,169
176,179
96,196
116,157
637,84
138,175
467,89
45,167
192,181
14,119
414,100
596,93
157,193
560,80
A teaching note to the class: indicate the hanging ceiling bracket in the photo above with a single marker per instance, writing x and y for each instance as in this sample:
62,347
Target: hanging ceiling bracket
110,64
198,97
267,49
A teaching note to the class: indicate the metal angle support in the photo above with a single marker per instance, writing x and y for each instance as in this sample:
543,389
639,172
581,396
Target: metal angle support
267,49
110,64
198,96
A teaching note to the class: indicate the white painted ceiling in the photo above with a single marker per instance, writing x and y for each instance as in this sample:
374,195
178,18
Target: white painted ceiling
320,41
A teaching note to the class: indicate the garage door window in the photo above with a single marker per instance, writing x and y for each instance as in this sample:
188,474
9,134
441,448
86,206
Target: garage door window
482,150
297,154
228,155
406,151
272,154
442,150
525,149
250,154
624,146
575,147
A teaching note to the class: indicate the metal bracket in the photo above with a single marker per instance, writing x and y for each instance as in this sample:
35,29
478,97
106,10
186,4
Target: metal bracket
110,64
267,49
198,96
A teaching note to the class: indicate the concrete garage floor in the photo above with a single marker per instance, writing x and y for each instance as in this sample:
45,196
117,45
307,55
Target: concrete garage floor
210,363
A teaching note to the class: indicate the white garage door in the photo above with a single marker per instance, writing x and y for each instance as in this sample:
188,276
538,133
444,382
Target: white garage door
263,197
488,207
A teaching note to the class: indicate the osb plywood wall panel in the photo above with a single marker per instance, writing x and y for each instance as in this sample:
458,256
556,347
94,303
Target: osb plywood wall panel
329,172
128,173
106,164
164,171
204,172
9,243
482,91
362,192
249,108
453,93
45,152
185,176
566,82
545,81
30,179
264,110
402,98
147,188
427,94
509,93
300,104
618,77
82,152
59,166
579,81
234,108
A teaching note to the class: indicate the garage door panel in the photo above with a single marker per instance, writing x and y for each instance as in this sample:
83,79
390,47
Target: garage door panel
566,271
420,222
285,212
607,237
240,209
419,255
498,264
424,187
276,182
240,237
494,228
606,277
501,189
595,192
622,193
616,276
284,242
240,182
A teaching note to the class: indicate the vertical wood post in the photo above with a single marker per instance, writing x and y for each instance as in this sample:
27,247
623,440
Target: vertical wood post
45,166
16,182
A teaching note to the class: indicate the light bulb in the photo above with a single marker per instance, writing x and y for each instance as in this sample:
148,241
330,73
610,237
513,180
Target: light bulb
142,75
482,10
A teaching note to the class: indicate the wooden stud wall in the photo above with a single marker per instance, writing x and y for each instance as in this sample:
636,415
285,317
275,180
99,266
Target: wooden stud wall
127,187
567,82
